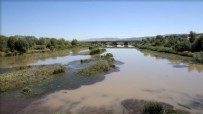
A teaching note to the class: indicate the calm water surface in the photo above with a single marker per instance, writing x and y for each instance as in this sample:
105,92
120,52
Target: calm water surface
142,75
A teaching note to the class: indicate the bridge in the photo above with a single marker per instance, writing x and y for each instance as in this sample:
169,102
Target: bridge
115,42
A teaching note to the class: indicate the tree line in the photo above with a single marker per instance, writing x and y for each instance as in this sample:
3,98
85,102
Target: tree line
178,43
188,45
22,44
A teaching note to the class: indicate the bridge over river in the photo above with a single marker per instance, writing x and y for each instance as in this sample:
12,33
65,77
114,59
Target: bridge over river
114,42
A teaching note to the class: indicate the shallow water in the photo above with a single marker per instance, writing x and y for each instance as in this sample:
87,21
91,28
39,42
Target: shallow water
143,75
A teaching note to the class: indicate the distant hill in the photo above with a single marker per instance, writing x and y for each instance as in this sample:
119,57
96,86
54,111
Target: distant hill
102,39
134,38
115,39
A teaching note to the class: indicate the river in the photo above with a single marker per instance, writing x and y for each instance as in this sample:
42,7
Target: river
140,74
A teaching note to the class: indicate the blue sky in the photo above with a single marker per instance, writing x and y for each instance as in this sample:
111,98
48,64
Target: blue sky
83,20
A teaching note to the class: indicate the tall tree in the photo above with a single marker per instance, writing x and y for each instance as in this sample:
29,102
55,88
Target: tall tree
11,42
3,42
74,42
192,36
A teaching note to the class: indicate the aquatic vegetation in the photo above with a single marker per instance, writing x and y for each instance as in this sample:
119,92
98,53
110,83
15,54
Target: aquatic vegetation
135,106
97,51
104,64
26,91
94,69
153,108
61,70
26,76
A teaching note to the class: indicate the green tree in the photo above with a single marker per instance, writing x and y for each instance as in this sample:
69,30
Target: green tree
53,42
11,42
31,40
3,42
198,44
192,36
182,46
68,44
41,41
61,43
74,42
21,45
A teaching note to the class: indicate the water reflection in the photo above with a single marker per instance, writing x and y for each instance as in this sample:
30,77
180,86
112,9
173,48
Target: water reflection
26,59
175,60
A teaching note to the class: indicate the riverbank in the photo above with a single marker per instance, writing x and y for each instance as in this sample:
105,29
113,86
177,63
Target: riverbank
196,56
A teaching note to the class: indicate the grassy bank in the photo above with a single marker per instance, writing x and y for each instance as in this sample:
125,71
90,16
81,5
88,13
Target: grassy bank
27,75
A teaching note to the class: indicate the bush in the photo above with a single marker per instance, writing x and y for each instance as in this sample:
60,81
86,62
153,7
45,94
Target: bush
198,44
165,49
57,71
153,108
91,48
186,53
94,69
97,51
182,46
198,57
26,91
39,47
74,42
21,45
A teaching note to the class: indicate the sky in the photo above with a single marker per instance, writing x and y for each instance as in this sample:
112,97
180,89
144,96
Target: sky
90,19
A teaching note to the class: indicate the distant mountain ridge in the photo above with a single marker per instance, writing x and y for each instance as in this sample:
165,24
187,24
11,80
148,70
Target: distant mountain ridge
132,38
115,39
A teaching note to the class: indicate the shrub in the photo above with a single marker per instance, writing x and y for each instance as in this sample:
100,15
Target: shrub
94,69
198,44
97,51
198,57
186,53
21,45
109,55
39,47
165,49
182,46
153,108
57,71
26,91
91,48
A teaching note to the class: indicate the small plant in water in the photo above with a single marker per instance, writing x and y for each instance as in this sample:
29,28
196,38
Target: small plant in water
26,91
57,71
153,108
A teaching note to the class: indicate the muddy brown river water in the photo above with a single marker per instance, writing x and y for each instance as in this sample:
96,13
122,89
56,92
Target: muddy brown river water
140,74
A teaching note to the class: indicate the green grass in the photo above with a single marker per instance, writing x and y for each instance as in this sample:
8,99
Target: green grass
26,76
